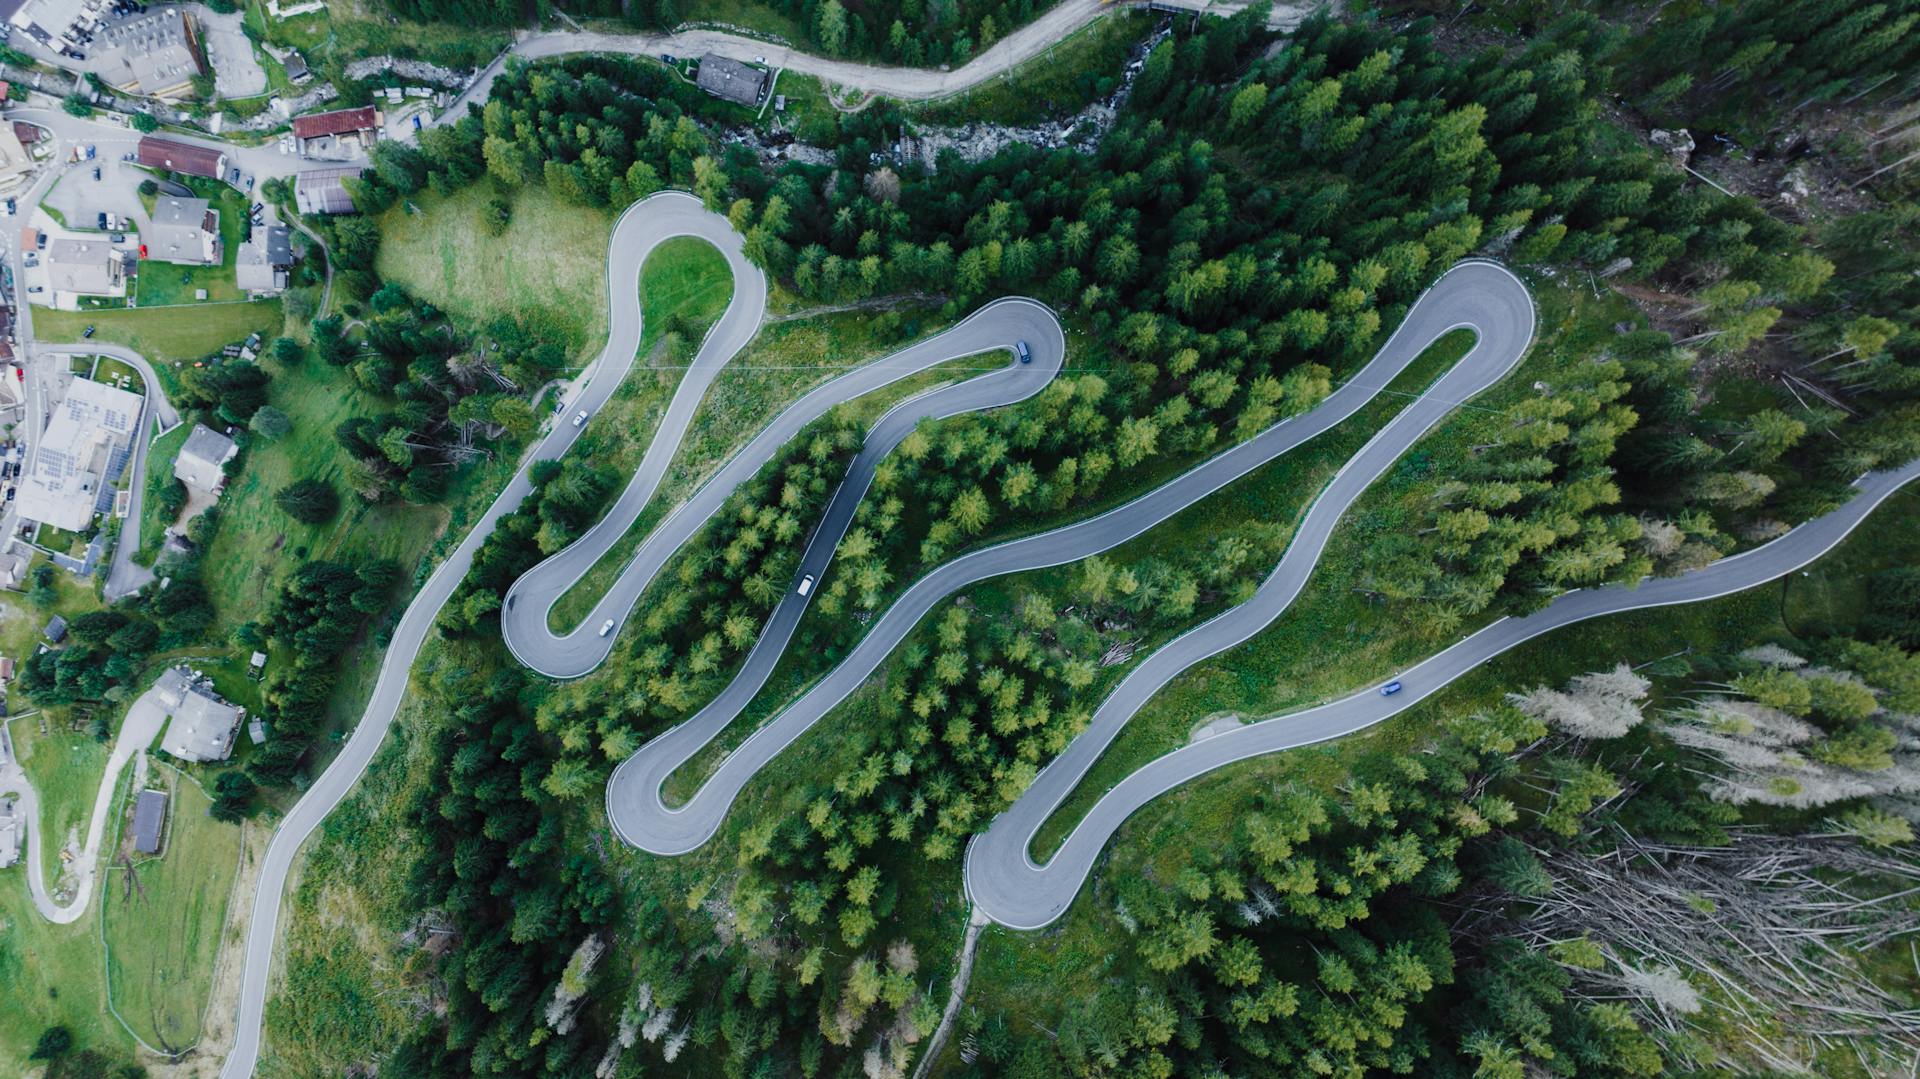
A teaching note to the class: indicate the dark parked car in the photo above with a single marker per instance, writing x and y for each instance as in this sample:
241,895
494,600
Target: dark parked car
103,222
88,332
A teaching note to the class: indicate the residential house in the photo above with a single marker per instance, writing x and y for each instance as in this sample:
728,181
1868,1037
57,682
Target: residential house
339,135
182,230
13,569
55,630
261,265
731,80
202,460
324,191
81,454
172,155
91,267
200,725
149,821
156,54
296,66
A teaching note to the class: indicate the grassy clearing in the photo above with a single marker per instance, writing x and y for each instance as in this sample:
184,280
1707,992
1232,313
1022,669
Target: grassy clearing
167,334
116,373
257,544
549,268
339,1000
50,973
684,288
64,766
355,28
160,980
1069,76
160,458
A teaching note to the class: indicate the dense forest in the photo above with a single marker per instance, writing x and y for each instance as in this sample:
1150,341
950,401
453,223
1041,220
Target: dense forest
1260,214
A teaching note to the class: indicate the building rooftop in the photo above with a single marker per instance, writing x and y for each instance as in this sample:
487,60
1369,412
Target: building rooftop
149,821
324,191
85,267
182,230
154,53
338,122
731,79
82,448
200,726
175,156
200,460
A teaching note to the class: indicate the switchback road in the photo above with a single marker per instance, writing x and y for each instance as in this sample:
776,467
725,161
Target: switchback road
1478,296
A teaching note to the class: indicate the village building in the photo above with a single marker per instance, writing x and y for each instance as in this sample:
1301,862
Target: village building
149,821
339,135
82,453
201,461
171,155
182,230
156,54
11,827
77,268
261,267
324,191
200,725
731,80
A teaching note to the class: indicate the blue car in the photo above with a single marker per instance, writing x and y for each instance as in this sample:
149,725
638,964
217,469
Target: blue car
1020,349
1390,689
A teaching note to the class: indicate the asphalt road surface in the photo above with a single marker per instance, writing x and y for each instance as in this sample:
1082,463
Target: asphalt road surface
998,325
1009,887
639,229
1480,296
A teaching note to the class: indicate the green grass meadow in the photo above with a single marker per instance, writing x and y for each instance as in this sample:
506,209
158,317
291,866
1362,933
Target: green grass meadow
549,268
160,980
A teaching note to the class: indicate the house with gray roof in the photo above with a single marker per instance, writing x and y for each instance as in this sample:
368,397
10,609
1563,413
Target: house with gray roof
91,267
324,191
200,725
202,461
731,80
261,265
183,230
149,821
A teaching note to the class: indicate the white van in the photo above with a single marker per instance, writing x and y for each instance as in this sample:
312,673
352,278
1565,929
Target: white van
806,585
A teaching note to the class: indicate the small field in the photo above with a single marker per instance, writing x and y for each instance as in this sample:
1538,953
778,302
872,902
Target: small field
64,767
160,458
165,335
115,373
257,543
51,976
163,917
548,268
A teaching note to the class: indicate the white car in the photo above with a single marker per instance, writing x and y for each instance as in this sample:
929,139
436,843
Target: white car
580,418
806,585
606,627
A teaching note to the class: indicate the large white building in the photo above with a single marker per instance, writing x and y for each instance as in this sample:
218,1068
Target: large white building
80,455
